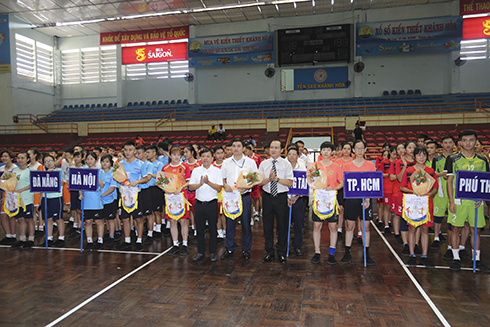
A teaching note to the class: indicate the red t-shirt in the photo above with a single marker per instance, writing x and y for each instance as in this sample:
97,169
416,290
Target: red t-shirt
181,170
384,166
406,183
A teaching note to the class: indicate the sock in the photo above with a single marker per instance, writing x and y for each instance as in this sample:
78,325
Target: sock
192,226
331,251
154,225
176,243
71,219
132,227
168,223
139,240
55,224
10,235
195,232
207,223
339,230
111,235
127,240
220,233
184,243
89,240
31,238
150,233
477,254
61,238
36,228
462,247
22,238
136,233
387,226
100,240
359,234
41,228
412,256
75,225
424,256
436,238
449,247
50,238
455,254
158,228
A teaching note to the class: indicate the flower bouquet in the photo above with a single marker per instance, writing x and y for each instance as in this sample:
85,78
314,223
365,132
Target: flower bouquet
422,182
8,182
316,178
167,181
119,173
248,179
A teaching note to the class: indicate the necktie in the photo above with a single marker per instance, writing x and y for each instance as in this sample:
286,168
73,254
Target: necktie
274,183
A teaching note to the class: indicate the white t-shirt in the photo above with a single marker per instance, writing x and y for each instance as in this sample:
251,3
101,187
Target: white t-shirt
206,193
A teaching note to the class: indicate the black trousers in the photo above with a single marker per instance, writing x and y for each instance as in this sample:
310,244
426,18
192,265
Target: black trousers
206,211
275,207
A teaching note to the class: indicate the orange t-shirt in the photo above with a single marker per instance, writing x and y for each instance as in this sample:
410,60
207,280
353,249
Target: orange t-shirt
366,166
181,170
334,173
341,162
196,164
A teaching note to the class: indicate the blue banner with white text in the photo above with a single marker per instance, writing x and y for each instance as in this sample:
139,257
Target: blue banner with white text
321,78
436,34
4,44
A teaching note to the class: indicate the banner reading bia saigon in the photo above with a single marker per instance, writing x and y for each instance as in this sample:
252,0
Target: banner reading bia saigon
409,36
476,28
154,53
240,49
162,34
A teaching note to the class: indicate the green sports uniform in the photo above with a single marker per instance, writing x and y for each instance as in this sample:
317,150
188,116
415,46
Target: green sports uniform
465,209
441,202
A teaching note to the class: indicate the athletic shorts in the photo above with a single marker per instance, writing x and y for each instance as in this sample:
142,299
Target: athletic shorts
75,202
399,205
466,213
93,214
144,199
157,199
55,208
387,199
27,214
333,219
441,206
110,210
394,199
136,213
255,194
191,197
353,209
403,225
340,196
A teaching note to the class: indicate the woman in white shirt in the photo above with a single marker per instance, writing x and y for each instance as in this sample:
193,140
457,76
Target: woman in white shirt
9,225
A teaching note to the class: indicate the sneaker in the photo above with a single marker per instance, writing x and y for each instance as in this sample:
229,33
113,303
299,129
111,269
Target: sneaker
110,242
183,250
194,239
166,231
246,255
213,257
331,260
251,222
106,237
8,241
256,217
456,265
40,233
227,254
17,245
173,250
406,250
71,231
442,238
117,236
427,263
123,246
448,256
359,240
157,236
199,257
75,235
481,267
298,252
98,246
148,240
88,247
464,255
59,243
387,231
412,262
380,225
417,250
398,240
220,240
138,247
435,245
339,234
316,258
28,245
369,261
346,258
50,243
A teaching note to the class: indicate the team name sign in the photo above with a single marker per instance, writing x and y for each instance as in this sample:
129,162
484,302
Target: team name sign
83,179
359,185
300,185
473,185
45,181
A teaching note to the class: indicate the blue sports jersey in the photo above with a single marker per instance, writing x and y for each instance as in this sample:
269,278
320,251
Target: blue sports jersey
92,200
157,166
148,169
135,170
108,180
163,159
57,194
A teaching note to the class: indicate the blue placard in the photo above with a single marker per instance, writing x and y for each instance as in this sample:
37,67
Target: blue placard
300,185
321,78
83,179
473,185
45,181
365,184
4,44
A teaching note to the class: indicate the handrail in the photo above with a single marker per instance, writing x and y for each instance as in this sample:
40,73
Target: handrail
165,119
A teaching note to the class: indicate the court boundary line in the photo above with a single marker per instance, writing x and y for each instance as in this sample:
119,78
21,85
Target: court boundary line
107,288
432,305
78,249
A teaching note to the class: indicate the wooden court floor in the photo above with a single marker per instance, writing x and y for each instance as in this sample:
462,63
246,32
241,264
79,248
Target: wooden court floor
42,287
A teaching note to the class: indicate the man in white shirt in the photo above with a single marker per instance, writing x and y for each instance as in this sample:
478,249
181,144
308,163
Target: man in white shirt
206,181
279,179
301,146
230,171
220,132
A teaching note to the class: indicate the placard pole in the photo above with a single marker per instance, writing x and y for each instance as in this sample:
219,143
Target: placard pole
289,227
364,230
46,220
81,233
474,244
